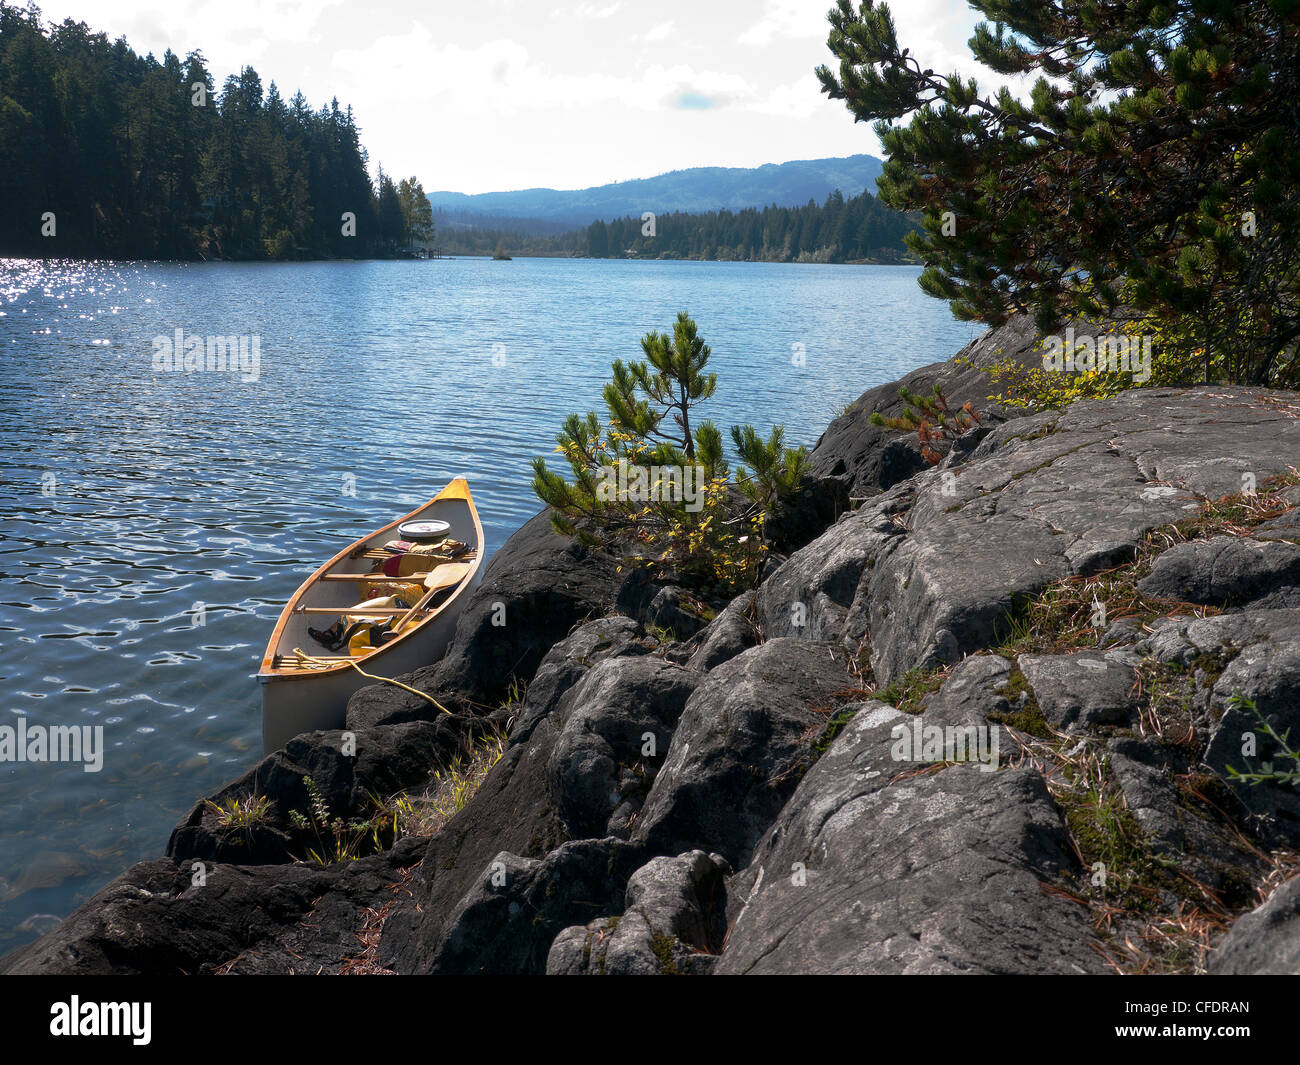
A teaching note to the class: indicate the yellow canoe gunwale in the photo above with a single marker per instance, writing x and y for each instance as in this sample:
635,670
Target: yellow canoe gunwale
458,488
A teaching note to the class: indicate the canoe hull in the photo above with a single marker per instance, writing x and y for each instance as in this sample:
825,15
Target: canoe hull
297,700
320,701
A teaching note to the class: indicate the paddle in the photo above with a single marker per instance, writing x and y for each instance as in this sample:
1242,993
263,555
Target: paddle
448,575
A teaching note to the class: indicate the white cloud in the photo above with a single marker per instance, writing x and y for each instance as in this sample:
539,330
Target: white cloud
506,94
799,99
501,78
595,11
783,19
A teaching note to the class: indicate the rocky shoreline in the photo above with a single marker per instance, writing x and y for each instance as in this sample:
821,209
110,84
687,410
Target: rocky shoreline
1105,599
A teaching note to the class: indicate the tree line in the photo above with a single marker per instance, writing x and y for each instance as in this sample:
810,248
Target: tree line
840,230
858,228
104,153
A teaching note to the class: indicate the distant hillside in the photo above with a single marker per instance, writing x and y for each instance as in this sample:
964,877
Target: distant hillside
857,229
698,190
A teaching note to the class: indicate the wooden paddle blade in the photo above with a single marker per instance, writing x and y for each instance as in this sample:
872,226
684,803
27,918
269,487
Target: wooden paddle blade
447,575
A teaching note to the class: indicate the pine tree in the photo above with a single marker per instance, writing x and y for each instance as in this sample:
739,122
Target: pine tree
1153,172
650,430
417,213
598,241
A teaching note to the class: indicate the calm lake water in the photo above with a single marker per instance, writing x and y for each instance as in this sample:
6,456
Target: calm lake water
155,522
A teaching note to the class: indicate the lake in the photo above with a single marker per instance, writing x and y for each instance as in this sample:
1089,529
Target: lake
156,521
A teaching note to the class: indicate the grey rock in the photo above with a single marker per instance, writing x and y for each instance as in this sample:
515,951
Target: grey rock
739,748
676,611
387,759
1181,829
156,920
569,661
923,611
935,874
609,718
1082,690
1267,673
1223,571
1142,773
974,689
673,923
811,593
971,692
1285,526
931,569
1265,941
513,809
727,635
515,907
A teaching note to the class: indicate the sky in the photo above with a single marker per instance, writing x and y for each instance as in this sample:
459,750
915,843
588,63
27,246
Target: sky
485,95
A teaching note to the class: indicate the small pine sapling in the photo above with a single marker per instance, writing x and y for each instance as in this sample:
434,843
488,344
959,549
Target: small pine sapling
935,424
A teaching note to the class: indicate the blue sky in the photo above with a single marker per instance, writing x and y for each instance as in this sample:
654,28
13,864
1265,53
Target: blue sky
507,94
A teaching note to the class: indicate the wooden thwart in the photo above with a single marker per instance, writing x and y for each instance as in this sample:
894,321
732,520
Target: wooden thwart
410,578
358,612
413,578
375,553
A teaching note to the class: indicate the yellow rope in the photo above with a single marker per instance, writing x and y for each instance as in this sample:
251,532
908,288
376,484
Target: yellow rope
304,660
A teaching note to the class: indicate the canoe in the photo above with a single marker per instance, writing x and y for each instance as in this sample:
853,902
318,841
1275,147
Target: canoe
305,685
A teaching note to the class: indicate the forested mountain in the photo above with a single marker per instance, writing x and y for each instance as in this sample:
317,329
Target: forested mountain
696,190
839,230
107,153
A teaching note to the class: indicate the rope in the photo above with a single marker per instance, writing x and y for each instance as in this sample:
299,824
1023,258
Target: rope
305,660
